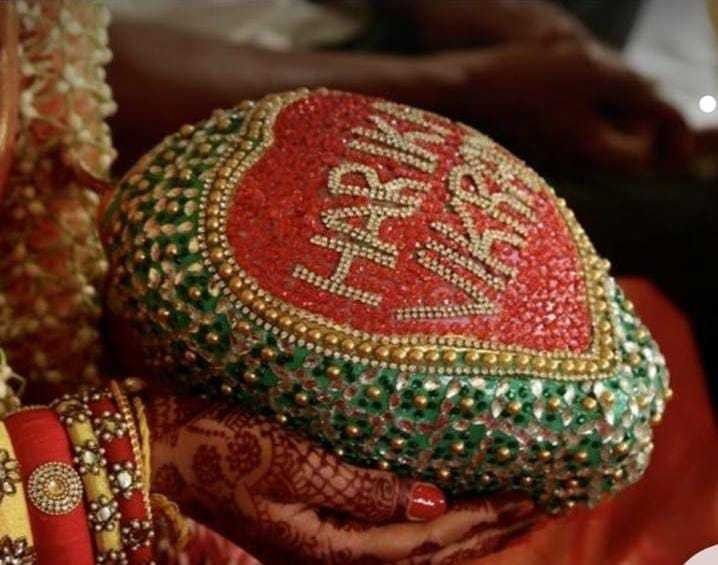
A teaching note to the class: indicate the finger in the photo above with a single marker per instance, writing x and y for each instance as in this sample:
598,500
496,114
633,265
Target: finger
367,494
307,536
481,544
602,143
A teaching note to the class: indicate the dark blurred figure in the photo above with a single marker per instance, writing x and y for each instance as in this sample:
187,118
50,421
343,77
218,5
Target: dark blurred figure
542,77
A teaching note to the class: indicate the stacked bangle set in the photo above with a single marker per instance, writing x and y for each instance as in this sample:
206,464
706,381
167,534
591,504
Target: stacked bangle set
72,483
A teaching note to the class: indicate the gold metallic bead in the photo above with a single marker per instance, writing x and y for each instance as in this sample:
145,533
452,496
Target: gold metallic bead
365,348
544,455
449,356
432,356
514,407
628,305
226,270
523,360
457,447
334,372
140,256
608,397
383,465
373,392
250,377
656,418
485,479
382,352
244,327
506,358
472,357
605,326
216,254
226,389
314,334
185,174
194,293
490,359
399,354
553,403
212,338
281,418
668,394
503,454
420,401
526,481
634,359
186,130
300,328
567,365
618,474
642,334
466,403
285,322
572,484
348,345
268,354
621,448
539,363
581,456
444,473
589,403
331,339
216,194
397,443
352,430
416,355
164,314
644,401
301,399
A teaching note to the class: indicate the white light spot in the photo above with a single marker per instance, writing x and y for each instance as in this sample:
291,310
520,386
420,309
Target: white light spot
707,103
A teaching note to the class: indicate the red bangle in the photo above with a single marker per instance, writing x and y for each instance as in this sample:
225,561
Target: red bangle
53,487
125,476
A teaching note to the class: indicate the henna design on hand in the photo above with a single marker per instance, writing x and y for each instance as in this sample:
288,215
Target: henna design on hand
278,495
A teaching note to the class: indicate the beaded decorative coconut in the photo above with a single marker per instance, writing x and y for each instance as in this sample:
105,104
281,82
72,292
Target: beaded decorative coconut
394,284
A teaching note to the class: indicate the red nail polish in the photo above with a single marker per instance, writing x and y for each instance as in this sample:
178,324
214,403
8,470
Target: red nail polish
425,503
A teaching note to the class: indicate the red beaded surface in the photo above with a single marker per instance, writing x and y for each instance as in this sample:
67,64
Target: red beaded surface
278,207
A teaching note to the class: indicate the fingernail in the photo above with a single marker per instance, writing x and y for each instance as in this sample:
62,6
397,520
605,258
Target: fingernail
425,503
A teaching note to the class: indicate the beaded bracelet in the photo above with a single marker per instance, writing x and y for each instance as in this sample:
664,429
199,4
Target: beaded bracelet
59,523
16,540
91,464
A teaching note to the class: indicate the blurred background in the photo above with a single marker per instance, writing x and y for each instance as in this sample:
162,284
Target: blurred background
615,101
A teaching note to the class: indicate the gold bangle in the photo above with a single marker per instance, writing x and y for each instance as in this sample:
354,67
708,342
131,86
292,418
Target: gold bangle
15,529
89,461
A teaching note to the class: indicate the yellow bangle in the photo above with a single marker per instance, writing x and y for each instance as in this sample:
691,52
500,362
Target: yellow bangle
15,529
90,463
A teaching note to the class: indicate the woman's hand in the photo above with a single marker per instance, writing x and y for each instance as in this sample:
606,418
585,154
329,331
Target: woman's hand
571,101
285,499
